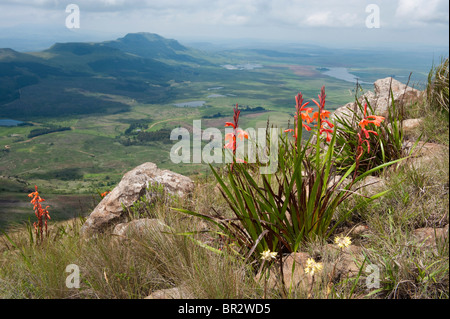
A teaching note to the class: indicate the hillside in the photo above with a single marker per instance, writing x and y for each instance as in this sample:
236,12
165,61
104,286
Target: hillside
149,45
131,66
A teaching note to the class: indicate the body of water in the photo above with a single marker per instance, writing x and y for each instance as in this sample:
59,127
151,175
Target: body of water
190,104
247,66
342,74
8,122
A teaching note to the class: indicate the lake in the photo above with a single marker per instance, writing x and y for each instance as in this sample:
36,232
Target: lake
246,66
190,104
8,122
342,74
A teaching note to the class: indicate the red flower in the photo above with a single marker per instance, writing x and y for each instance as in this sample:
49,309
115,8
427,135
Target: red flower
371,119
237,132
320,116
41,213
104,194
328,132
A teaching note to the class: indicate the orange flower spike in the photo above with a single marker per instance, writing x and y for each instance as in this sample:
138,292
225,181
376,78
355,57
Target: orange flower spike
376,119
47,214
299,105
305,116
229,136
363,123
321,97
328,132
229,124
306,127
331,125
103,194
318,105
302,112
324,114
242,134
231,145
368,145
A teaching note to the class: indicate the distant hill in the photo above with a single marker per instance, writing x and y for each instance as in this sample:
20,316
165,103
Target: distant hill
18,70
45,83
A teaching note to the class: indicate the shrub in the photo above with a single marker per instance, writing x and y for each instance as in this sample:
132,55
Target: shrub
437,88
278,212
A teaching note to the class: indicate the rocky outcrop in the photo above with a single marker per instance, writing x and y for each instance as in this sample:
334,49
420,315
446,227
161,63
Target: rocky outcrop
380,100
134,185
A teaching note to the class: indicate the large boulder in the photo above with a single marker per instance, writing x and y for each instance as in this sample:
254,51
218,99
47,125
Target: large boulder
133,186
380,100
401,93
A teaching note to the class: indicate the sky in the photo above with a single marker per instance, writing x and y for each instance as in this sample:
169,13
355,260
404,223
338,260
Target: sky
407,24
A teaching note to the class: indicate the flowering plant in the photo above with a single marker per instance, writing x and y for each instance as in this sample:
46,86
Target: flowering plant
278,212
42,214
378,140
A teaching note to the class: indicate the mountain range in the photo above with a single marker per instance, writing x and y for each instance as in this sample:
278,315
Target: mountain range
139,66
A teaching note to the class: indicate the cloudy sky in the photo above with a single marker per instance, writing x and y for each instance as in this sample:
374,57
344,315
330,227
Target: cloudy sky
402,23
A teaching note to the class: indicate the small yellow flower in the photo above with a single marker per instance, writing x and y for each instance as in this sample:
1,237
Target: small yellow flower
342,242
312,267
267,255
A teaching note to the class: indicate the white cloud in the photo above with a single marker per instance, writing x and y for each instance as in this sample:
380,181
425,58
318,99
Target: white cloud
235,18
319,19
422,12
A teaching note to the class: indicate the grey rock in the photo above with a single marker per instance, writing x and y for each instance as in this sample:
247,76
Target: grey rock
380,100
133,186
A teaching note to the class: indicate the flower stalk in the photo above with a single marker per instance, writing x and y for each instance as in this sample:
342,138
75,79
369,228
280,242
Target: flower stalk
42,214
